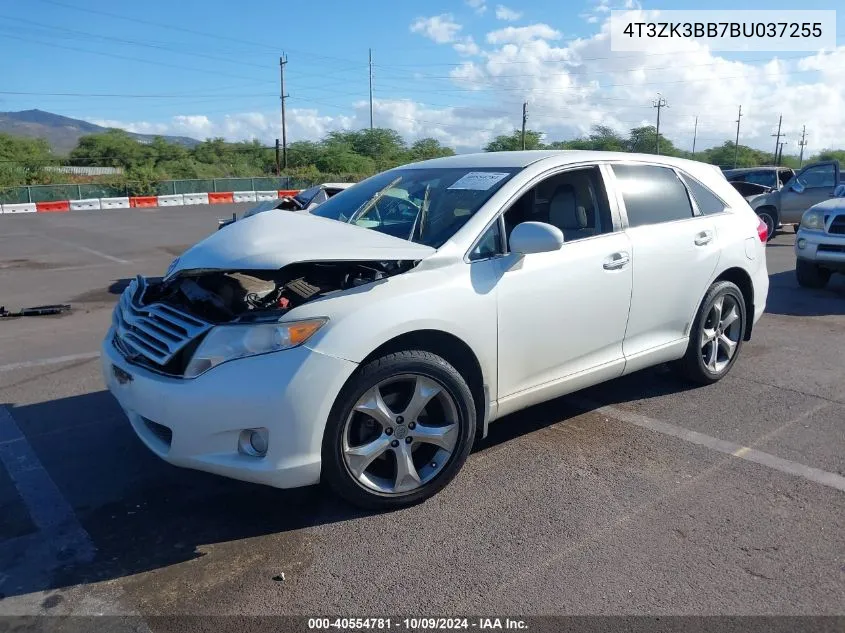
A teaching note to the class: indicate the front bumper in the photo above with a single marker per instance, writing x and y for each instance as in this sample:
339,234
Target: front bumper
819,247
197,423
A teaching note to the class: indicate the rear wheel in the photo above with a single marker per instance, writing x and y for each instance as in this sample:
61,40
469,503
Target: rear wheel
811,275
399,431
716,335
770,218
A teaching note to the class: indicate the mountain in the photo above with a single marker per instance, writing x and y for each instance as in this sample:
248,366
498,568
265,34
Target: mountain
61,132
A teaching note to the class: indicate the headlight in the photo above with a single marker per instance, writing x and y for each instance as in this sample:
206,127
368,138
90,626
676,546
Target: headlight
228,342
813,220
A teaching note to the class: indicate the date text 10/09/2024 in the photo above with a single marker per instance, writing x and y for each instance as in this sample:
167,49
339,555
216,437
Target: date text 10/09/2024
416,624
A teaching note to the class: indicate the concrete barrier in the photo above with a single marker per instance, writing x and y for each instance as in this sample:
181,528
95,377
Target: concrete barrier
143,201
243,196
221,197
24,207
261,196
85,204
114,203
176,200
52,206
195,198
288,193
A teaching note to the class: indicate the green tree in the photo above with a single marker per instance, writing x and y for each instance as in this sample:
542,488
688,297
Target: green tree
426,148
115,148
513,141
601,138
644,140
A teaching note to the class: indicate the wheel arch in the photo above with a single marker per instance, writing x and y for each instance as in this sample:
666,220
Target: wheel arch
742,280
453,350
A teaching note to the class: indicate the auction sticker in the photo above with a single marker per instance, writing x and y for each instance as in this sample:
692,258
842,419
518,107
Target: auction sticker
478,180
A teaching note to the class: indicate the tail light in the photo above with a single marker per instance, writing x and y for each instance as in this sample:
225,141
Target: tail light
762,231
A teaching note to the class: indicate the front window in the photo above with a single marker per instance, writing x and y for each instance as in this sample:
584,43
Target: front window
426,206
818,176
765,178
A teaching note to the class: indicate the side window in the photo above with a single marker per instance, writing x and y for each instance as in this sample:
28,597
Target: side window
819,176
652,194
575,201
490,244
766,178
705,199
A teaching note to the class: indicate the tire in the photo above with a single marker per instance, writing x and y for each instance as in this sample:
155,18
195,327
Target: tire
811,275
699,365
771,219
362,452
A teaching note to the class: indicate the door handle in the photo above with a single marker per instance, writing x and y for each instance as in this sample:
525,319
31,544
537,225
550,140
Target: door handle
705,237
616,261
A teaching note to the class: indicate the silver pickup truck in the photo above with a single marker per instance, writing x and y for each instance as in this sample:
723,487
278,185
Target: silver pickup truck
820,243
811,185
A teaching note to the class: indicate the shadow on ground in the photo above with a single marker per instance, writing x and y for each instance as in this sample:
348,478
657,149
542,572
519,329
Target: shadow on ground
786,297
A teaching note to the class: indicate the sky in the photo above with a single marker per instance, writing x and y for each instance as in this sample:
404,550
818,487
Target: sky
455,70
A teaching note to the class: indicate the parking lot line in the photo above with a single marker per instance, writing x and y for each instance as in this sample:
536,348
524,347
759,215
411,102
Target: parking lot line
49,361
739,451
116,260
48,509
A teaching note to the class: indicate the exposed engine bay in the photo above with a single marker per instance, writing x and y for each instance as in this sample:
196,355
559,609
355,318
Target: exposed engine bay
219,297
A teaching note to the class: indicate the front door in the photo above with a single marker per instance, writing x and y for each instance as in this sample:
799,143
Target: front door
815,184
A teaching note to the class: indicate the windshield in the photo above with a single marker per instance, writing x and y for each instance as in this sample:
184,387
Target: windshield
426,206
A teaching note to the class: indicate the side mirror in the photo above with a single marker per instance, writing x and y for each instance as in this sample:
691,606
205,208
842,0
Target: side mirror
797,187
535,237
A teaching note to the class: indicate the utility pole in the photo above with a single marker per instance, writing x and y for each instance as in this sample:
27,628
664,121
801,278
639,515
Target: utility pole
371,89
524,121
283,96
736,142
694,135
802,143
777,137
659,103
278,161
780,153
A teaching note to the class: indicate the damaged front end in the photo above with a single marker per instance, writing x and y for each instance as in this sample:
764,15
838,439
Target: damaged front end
161,323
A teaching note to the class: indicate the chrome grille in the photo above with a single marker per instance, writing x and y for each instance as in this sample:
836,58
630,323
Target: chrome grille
837,225
155,332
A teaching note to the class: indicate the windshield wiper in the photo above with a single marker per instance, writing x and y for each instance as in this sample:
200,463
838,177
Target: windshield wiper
372,201
421,214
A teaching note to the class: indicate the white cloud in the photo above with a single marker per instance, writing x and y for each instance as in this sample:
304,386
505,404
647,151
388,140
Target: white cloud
506,14
479,6
438,28
522,34
466,46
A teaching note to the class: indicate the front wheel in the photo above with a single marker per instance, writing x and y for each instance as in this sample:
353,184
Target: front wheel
716,335
811,275
399,431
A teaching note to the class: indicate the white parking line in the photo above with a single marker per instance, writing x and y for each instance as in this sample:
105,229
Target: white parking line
49,361
117,260
48,509
739,451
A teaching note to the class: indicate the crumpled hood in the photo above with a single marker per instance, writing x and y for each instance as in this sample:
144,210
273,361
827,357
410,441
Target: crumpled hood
831,205
278,238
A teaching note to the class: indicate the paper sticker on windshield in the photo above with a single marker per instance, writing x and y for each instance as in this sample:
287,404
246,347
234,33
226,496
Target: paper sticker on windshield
478,180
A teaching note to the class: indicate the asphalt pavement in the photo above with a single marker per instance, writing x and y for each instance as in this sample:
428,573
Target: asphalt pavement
640,496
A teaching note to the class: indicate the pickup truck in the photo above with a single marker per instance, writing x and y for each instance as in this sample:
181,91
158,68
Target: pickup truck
809,186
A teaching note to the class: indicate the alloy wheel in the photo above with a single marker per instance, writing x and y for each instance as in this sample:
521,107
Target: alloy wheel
400,434
721,333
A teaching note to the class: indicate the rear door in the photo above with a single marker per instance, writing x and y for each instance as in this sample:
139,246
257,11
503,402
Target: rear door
815,183
674,253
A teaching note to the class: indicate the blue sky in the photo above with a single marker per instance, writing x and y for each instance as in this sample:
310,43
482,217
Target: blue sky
211,68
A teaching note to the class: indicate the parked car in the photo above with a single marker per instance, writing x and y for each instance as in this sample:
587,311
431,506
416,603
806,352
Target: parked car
820,244
767,178
787,204
303,201
368,343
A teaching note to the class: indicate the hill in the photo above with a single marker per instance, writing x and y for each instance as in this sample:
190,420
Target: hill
63,133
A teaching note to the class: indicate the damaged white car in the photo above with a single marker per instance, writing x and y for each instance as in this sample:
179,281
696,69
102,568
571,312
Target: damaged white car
367,344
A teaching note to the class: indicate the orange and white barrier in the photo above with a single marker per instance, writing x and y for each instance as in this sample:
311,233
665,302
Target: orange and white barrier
176,200
84,205
114,203
24,207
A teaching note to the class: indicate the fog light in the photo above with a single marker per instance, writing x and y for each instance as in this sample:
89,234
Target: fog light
802,243
253,442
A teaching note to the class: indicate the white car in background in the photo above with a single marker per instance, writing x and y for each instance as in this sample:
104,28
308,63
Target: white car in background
305,200
366,344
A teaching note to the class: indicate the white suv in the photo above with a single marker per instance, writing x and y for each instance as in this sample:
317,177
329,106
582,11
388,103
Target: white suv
368,344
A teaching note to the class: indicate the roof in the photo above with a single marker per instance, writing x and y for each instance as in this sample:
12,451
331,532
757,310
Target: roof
511,160
746,170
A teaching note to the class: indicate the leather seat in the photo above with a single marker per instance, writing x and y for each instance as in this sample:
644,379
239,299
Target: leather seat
566,214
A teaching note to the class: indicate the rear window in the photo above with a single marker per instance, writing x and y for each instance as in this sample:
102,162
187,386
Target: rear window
652,194
707,201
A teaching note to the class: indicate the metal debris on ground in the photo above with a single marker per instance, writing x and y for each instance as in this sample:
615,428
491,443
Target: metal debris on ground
36,311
